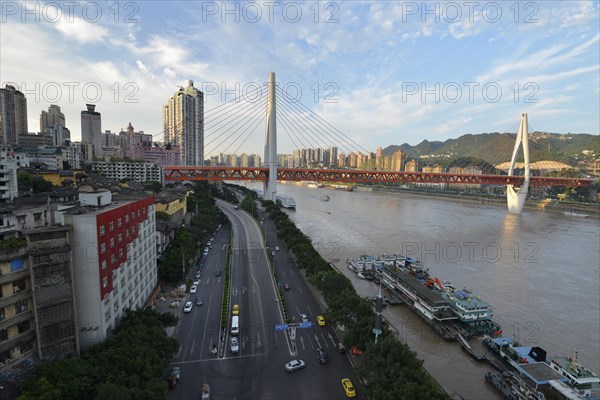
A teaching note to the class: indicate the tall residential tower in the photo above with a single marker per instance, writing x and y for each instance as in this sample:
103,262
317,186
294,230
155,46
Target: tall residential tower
13,115
183,123
91,128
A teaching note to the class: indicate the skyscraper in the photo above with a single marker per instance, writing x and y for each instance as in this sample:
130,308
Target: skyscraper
183,123
52,118
13,115
91,128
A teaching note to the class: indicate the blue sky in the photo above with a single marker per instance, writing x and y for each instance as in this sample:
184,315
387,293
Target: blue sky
398,72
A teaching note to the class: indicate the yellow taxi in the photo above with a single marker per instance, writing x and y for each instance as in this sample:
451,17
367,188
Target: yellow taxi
348,388
235,310
321,320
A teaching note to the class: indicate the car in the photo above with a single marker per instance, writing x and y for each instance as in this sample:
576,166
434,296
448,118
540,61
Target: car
197,277
294,365
321,320
236,207
196,281
199,301
321,356
194,289
348,387
273,253
277,248
235,345
209,243
286,287
175,373
236,309
188,307
218,272
303,318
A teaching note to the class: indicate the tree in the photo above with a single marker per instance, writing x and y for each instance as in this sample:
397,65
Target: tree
155,186
36,183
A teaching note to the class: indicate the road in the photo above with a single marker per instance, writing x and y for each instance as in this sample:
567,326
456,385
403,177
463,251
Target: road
257,370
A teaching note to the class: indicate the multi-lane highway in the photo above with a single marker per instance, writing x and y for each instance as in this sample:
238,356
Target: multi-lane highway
256,371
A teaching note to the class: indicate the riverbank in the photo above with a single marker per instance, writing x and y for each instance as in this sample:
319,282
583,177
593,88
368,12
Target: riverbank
549,205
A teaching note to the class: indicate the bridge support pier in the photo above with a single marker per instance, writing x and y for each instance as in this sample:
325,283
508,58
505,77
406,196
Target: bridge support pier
515,197
270,186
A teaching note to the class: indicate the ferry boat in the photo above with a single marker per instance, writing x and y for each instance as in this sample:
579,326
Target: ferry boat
576,214
286,201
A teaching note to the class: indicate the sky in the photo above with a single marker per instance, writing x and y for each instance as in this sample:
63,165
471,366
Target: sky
380,73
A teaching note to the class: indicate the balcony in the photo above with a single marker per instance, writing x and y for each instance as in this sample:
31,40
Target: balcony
15,341
16,319
11,299
13,276
9,254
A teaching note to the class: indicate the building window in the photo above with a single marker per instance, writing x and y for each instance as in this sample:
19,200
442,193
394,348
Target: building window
120,253
132,215
37,217
112,242
113,258
127,218
103,248
120,237
103,264
111,225
105,282
138,213
119,222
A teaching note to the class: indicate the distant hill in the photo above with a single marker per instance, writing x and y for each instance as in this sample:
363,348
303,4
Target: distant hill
496,148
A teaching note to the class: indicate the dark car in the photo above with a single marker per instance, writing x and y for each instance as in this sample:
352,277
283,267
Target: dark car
322,356
286,287
218,273
199,301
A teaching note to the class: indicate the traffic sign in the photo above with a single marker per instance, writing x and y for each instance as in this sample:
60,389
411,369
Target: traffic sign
281,327
305,324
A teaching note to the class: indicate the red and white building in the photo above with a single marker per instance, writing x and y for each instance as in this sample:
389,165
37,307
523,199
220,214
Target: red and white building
114,260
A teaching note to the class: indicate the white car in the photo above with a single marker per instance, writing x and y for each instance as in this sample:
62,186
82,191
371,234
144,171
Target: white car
188,307
235,345
294,365
277,248
196,281
194,288
303,318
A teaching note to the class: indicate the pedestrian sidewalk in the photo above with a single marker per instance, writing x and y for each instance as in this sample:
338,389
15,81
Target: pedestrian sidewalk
164,305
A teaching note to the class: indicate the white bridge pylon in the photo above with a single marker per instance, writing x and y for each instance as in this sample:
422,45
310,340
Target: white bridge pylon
270,186
515,198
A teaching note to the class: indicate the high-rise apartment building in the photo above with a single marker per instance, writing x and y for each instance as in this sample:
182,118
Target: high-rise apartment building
91,128
52,118
183,123
398,160
13,115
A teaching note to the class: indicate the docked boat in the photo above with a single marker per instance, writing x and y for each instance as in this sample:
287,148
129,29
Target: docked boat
450,312
324,198
562,374
313,185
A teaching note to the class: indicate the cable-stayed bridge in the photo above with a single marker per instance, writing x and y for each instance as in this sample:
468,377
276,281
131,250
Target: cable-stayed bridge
305,127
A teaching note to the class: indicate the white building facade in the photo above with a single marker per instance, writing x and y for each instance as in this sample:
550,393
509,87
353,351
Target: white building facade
114,258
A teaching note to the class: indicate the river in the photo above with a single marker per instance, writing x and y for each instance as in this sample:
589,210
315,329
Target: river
539,270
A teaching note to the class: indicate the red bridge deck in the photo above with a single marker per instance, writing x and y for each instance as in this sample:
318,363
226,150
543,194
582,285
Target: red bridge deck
179,173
